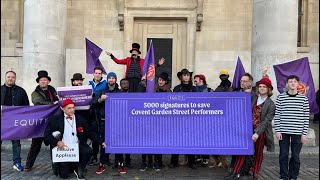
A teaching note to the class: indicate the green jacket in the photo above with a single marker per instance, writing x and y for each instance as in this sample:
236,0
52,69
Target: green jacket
38,96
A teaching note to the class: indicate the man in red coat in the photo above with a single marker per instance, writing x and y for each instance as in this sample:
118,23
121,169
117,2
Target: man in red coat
134,65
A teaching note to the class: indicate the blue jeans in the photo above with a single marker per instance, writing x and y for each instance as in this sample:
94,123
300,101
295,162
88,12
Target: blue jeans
292,171
16,151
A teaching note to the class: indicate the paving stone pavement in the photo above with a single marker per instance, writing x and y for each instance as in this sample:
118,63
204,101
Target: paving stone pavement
309,169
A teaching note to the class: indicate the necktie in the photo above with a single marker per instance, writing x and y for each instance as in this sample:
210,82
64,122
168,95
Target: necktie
69,117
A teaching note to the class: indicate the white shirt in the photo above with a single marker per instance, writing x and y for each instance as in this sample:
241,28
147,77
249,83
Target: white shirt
260,100
70,130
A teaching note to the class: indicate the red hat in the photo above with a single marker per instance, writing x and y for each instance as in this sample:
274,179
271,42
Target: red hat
200,76
67,102
265,81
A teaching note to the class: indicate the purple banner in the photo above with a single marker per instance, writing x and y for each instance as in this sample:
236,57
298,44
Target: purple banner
179,123
300,68
24,122
92,57
80,95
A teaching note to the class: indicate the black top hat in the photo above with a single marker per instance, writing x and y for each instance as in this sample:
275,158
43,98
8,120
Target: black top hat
42,74
77,76
164,76
135,46
184,71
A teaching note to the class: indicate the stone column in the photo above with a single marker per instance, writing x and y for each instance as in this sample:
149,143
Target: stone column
274,36
43,41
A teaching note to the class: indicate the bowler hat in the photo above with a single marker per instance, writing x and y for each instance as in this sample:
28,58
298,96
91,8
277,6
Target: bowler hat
42,74
164,76
77,76
184,71
135,46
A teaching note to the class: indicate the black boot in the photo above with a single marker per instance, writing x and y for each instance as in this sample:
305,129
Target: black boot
79,173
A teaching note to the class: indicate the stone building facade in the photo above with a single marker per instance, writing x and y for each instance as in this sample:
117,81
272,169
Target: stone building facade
204,36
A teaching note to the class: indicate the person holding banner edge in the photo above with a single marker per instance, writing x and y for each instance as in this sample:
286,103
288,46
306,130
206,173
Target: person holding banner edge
44,94
72,129
99,103
134,65
14,95
186,85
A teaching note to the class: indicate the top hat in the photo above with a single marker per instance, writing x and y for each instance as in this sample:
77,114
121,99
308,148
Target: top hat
184,71
135,46
77,76
164,76
42,74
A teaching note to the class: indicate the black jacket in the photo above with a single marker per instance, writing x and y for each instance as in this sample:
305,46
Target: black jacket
185,88
100,107
19,96
56,123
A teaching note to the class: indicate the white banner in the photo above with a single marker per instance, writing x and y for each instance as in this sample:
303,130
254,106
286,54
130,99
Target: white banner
68,154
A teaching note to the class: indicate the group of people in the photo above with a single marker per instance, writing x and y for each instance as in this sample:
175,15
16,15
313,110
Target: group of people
290,114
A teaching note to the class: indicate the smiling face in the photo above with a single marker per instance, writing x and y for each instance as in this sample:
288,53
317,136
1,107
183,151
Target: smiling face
44,82
10,79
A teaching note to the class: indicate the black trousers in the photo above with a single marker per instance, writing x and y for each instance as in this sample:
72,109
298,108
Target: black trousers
34,151
85,153
133,84
118,158
157,158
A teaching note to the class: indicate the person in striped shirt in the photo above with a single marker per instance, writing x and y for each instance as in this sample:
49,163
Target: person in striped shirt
291,126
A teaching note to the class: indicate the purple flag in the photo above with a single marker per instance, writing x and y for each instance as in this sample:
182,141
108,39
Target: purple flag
92,54
24,122
238,73
148,69
300,68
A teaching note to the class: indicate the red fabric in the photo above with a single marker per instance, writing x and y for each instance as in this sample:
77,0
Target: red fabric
238,163
67,102
265,81
256,113
200,76
127,62
258,153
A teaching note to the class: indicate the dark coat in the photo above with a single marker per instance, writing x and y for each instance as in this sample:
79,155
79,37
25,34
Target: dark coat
267,114
185,88
56,123
100,107
39,97
19,96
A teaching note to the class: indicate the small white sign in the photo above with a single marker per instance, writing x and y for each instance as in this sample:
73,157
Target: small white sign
68,154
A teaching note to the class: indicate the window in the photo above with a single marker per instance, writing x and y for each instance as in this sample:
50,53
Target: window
302,23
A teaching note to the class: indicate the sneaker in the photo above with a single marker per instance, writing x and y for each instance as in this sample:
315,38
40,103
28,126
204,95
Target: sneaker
79,174
93,161
143,166
121,168
27,169
157,167
18,167
101,169
205,161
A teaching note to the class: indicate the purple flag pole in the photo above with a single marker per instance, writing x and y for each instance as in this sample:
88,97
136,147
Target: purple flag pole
92,57
148,69
238,73
300,68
